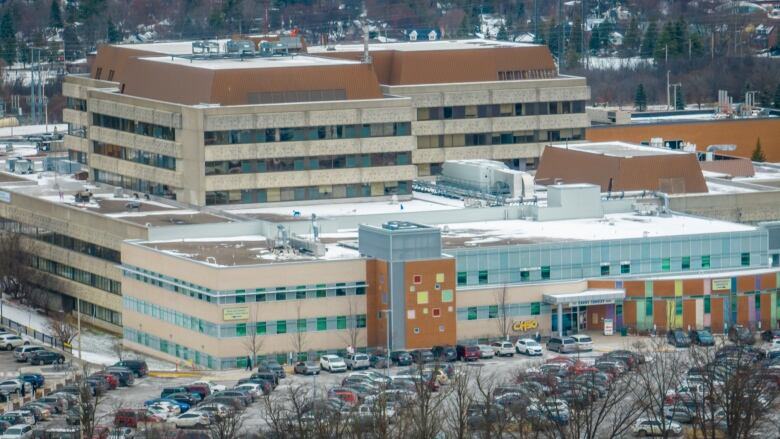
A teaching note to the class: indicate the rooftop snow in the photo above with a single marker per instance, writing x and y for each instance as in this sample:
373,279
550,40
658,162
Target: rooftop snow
421,46
251,62
617,149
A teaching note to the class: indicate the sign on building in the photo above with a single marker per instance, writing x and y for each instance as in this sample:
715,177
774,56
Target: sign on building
721,284
232,314
525,325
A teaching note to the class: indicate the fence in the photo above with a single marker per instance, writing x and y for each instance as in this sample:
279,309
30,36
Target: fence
46,339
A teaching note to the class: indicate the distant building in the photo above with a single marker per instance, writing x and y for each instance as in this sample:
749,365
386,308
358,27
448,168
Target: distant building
423,35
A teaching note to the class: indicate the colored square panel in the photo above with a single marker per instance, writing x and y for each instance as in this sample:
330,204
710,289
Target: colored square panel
449,309
410,314
425,310
436,312
417,279
439,277
412,288
422,297
446,296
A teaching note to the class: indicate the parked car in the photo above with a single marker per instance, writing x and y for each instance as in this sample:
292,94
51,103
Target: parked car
739,334
422,356
166,391
59,403
12,341
201,389
125,376
584,342
528,346
306,368
139,367
212,387
180,406
192,419
468,352
45,357
267,376
771,334
12,419
652,427
701,337
678,338
22,352
333,363
401,358
486,351
445,353
27,416
36,380
15,386
357,361
272,366
378,361
562,345
21,431
254,389
503,348
216,409
133,417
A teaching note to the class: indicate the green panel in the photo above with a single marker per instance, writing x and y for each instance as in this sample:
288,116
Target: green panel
536,308
640,313
666,264
472,313
341,322
707,304
705,261
545,271
648,288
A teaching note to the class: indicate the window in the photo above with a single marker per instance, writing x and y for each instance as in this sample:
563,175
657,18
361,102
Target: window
536,308
360,289
483,277
462,278
300,292
545,272
525,276
422,297
436,312
745,259
707,304
666,264
241,329
281,326
416,330
686,262
605,269
340,290
678,306
705,261
341,322
493,311
625,268
446,296
472,313
618,309
301,325
322,324
361,321
648,306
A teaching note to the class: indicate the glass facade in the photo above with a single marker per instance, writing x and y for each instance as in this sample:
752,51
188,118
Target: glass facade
492,312
135,127
499,138
500,110
135,155
293,134
328,192
308,163
134,184
76,275
59,240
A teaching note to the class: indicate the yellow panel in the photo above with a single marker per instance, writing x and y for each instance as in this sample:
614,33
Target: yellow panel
678,288
439,277
422,297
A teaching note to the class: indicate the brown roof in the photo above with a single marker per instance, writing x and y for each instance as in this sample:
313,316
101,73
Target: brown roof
670,173
396,67
733,166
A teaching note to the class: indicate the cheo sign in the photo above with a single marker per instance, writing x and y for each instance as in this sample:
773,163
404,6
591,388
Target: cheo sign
524,325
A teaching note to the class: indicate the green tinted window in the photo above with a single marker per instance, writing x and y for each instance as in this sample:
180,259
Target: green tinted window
525,276
361,321
686,262
545,272
322,324
281,326
260,327
493,311
483,277
341,322
605,270
321,290
241,329
472,313
707,304
745,259
648,306
462,278
705,261
536,308
666,264
301,325
625,268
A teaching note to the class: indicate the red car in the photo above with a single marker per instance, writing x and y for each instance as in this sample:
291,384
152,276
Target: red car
468,352
561,360
111,380
132,417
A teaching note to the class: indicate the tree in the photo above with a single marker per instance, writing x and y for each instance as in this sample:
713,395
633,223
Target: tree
71,43
631,40
17,278
352,337
89,404
640,99
299,337
113,35
656,378
62,326
649,41
576,37
253,341
503,319
228,426
595,40
679,99
758,153
55,15
502,34
777,96
8,42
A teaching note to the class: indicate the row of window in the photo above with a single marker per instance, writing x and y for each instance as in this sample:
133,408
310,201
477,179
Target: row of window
76,104
505,138
500,110
134,184
60,240
101,313
135,155
76,275
328,192
516,75
266,135
510,310
297,292
482,276
135,127
706,300
308,163
273,327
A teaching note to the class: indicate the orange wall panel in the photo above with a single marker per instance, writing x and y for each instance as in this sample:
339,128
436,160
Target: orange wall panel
768,280
663,288
766,311
376,278
689,313
629,313
716,314
430,326
659,314
693,287
746,283
743,315
634,288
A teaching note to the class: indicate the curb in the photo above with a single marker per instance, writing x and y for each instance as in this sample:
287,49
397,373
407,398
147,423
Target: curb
162,374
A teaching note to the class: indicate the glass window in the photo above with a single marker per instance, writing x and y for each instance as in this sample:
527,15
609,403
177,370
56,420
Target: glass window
301,325
648,306
745,259
361,321
281,326
341,322
705,261
525,276
605,270
462,278
322,323
472,313
707,304
340,290
483,277
666,264
493,311
260,328
686,262
241,329
678,306
321,290
625,268
536,308
545,272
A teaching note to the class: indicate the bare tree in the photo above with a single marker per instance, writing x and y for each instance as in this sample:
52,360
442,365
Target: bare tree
353,332
253,342
228,426
503,319
423,414
299,337
62,325
461,398
16,275
90,403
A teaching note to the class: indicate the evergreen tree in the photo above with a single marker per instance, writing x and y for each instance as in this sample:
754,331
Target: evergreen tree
576,37
502,34
665,47
777,96
631,40
697,46
640,99
113,35
8,38
553,38
758,153
71,42
649,41
595,40
55,15
679,33
466,28
679,99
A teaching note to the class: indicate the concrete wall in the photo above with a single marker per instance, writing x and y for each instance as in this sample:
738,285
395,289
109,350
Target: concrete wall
751,207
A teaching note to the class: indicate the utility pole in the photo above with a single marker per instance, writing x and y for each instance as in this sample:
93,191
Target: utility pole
536,21
78,323
675,87
668,98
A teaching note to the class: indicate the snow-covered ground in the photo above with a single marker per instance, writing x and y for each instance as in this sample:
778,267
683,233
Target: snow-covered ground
615,63
99,346
26,130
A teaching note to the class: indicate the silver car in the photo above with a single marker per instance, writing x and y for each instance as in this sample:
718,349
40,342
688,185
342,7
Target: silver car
15,386
21,353
562,345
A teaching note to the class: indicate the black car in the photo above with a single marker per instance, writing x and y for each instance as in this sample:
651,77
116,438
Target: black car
445,353
401,358
678,338
741,335
187,398
139,367
125,376
73,416
272,366
422,356
45,357
378,361
770,335
701,337
267,376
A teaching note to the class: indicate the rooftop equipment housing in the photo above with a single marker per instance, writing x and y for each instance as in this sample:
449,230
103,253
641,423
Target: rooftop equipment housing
487,176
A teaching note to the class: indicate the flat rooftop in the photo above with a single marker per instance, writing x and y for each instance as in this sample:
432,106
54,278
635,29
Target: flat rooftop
618,149
255,62
421,46
166,47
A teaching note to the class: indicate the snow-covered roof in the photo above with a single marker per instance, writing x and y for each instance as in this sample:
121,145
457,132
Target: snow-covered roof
251,62
421,46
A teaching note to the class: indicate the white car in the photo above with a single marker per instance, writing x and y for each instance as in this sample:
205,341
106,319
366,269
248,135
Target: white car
213,387
503,348
28,416
190,419
12,341
159,411
22,353
486,351
584,342
253,389
357,361
528,346
333,363
19,431
653,427
15,386
172,408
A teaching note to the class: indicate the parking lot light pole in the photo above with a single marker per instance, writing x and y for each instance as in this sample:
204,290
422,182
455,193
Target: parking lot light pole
387,312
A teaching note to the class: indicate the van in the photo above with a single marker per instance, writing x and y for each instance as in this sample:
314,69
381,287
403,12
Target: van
562,345
468,352
21,352
584,342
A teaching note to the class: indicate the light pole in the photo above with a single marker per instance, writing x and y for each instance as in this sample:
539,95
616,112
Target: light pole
78,323
388,313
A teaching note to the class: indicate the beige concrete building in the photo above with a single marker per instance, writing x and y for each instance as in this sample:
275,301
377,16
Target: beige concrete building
156,119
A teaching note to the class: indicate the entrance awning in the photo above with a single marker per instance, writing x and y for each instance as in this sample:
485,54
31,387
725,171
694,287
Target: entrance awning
587,297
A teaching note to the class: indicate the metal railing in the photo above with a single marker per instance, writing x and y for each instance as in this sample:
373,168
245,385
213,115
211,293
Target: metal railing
46,339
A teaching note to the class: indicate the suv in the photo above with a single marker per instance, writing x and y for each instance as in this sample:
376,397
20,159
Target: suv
357,361
421,356
445,353
741,335
584,342
11,341
132,417
562,345
333,363
401,358
503,348
272,366
21,353
701,337
678,338
138,367
46,357
468,352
